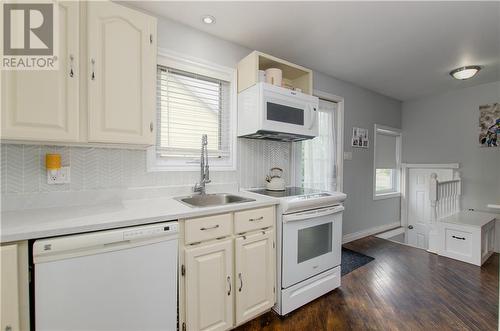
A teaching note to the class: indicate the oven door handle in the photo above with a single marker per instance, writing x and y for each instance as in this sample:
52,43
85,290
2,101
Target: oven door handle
311,214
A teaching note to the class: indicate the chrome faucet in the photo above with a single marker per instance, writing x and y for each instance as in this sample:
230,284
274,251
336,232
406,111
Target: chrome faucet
204,168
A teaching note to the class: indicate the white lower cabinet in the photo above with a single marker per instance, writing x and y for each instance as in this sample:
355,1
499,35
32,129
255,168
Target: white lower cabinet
254,274
14,298
209,286
227,277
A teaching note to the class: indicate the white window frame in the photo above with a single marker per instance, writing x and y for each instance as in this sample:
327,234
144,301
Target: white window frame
388,194
201,67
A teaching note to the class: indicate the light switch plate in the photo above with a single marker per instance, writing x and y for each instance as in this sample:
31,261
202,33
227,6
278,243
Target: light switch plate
347,155
62,176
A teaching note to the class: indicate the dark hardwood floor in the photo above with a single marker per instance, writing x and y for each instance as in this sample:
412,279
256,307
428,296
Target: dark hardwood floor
404,288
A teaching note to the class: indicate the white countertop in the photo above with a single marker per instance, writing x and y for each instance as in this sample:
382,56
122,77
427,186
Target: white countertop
472,218
48,222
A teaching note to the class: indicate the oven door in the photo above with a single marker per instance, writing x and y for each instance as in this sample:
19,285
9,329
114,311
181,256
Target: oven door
311,243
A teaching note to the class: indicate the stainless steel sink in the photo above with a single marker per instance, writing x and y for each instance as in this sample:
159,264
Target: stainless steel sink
208,200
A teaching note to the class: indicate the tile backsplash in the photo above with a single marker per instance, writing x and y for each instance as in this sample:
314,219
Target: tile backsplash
23,171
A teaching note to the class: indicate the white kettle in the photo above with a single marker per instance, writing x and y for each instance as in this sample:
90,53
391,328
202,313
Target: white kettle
274,181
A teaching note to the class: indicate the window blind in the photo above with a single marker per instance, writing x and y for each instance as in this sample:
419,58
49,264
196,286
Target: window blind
190,105
386,151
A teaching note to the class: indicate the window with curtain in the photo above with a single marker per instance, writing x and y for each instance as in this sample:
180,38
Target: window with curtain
319,154
387,154
190,105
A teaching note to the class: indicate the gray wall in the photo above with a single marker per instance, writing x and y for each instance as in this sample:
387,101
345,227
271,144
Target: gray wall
363,108
444,129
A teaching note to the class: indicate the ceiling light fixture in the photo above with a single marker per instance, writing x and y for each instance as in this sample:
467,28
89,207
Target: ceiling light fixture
208,19
465,72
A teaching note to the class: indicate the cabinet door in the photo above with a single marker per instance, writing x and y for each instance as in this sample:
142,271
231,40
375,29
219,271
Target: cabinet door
122,74
254,275
43,105
10,287
209,286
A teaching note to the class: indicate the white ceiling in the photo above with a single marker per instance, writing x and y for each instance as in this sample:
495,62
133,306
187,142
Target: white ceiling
401,49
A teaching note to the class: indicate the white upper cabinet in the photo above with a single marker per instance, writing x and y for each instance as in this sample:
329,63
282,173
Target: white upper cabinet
43,105
118,80
121,77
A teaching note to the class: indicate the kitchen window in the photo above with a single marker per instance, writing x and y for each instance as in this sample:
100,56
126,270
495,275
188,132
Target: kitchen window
193,98
387,162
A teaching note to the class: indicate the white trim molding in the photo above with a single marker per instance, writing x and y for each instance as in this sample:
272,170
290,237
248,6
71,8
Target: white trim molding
202,67
368,232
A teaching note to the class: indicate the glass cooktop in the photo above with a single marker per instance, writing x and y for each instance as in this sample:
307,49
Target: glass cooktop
287,192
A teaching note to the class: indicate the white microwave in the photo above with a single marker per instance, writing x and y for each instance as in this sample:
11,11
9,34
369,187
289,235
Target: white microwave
271,112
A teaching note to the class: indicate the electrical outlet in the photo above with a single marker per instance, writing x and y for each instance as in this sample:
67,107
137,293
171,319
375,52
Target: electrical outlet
61,176
347,155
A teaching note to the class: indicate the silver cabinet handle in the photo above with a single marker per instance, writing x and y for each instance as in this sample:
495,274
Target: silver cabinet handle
71,58
92,76
151,126
210,228
229,282
241,282
256,219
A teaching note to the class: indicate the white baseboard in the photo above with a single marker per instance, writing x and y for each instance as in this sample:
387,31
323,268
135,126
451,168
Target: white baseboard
368,232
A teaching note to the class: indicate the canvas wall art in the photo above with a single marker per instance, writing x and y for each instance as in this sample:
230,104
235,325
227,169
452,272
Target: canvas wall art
489,125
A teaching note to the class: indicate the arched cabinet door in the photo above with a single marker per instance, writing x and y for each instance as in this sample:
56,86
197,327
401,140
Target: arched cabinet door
121,74
42,105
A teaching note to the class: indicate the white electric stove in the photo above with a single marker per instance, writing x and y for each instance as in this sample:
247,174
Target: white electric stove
309,237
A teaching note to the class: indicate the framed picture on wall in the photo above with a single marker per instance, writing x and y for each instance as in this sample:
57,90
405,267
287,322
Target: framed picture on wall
360,138
489,125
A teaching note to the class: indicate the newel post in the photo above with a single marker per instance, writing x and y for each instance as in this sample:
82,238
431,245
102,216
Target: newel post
433,231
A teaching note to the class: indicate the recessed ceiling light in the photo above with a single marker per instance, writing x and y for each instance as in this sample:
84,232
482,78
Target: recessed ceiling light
465,72
208,19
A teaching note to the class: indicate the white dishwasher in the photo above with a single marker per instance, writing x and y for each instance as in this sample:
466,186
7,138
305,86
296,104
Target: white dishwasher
124,279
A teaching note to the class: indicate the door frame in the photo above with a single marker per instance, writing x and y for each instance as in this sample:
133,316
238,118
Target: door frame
405,183
339,139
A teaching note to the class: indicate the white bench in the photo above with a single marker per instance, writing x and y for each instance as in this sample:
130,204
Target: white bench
468,236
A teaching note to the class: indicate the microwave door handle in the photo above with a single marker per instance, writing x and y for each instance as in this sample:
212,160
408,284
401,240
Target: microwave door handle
314,115
313,214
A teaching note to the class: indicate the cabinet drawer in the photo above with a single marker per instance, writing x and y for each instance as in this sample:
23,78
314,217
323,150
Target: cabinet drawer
206,228
253,219
458,242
